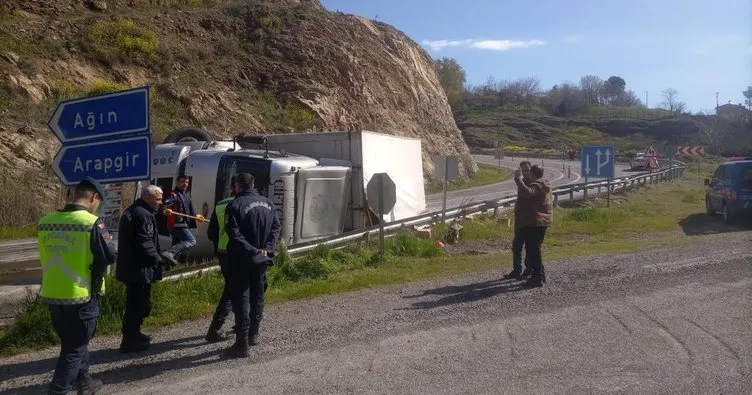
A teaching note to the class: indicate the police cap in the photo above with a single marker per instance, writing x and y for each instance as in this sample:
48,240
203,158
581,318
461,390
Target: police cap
89,182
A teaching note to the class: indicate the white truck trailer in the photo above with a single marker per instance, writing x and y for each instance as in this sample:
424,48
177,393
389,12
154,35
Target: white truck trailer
317,180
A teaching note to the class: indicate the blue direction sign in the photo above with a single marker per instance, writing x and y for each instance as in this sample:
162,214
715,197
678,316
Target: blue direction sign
112,115
120,160
598,161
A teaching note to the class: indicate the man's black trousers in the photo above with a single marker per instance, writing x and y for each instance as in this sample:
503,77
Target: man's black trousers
247,285
75,325
533,239
137,307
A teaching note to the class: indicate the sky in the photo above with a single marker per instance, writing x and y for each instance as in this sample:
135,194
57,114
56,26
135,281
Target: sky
697,47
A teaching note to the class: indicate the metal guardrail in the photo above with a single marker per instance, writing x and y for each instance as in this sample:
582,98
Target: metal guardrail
20,255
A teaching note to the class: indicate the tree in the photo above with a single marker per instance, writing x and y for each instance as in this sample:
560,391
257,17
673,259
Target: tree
452,78
523,90
626,99
748,98
671,100
590,86
565,99
612,88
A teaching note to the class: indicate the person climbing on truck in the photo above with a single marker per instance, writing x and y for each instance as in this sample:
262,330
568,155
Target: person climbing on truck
180,226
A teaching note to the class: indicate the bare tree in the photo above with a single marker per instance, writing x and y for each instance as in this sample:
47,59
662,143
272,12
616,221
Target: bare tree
524,90
671,100
590,86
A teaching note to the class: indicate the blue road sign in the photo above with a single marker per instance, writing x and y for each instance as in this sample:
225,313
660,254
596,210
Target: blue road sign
112,115
120,160
598,161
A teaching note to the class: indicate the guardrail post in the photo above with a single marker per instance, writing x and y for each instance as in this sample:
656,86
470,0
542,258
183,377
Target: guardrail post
571,194
556,200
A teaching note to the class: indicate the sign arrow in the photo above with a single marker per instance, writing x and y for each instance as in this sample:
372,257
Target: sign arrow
587,164
598,162
109,161
117,114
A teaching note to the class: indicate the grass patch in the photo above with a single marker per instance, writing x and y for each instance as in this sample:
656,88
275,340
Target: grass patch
287,117
124,39
655,211
486,175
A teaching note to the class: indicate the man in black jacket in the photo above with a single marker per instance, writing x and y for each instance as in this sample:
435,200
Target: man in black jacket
138,265
253,228
182,237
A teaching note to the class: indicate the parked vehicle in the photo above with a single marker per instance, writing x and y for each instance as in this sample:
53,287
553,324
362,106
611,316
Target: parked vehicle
639,161
729,191
317,180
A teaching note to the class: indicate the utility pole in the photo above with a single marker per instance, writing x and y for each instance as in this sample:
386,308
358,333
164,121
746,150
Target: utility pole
646,99
716,101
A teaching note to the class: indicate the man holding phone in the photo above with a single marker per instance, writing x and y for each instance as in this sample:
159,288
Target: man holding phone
519,241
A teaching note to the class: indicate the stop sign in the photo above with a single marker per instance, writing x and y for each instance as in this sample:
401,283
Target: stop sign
381,193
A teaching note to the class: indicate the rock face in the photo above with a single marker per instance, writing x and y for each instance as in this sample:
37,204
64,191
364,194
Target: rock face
226,67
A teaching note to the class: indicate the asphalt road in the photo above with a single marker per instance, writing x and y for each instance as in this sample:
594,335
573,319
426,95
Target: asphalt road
664,320
555,171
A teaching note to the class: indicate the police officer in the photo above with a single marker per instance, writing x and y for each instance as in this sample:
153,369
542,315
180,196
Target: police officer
139,264
253,229
218,236
74,252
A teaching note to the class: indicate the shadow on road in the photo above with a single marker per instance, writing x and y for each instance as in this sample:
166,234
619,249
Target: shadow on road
703,224
136,371
464,293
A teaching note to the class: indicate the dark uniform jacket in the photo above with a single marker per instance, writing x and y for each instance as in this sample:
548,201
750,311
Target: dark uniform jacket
251,223
138,259
184,205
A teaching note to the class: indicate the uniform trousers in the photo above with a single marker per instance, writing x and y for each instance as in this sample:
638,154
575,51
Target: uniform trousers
137,307
75,325
247,284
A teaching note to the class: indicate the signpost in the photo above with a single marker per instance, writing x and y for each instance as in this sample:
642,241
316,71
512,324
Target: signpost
498,152
597,161
669,151
446,169
651,156
106,137
382,196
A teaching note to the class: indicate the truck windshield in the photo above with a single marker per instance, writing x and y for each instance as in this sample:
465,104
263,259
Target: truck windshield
230,165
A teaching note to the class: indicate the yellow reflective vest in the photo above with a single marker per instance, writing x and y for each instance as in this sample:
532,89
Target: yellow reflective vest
65,254
219,211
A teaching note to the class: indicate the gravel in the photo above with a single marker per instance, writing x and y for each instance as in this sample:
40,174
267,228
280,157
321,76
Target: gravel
665,319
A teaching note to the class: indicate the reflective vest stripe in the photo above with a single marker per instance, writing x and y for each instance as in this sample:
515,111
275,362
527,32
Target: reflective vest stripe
219,211
57,261
63,228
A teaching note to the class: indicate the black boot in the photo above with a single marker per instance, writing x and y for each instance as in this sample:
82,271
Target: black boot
88,385
214,335
133,343
240,348
253,334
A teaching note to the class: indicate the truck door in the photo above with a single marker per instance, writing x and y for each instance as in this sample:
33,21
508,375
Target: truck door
321,202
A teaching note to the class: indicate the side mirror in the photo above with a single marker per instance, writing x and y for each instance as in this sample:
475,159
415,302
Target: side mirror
707,182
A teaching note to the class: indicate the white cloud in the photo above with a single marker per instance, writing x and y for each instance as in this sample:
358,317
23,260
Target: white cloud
438,45
493,45
571,39
505,45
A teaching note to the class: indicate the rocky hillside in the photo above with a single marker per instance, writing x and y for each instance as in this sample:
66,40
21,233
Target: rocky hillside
255,66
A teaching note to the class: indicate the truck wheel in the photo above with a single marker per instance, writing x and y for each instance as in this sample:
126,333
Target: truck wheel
188,134
727,215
